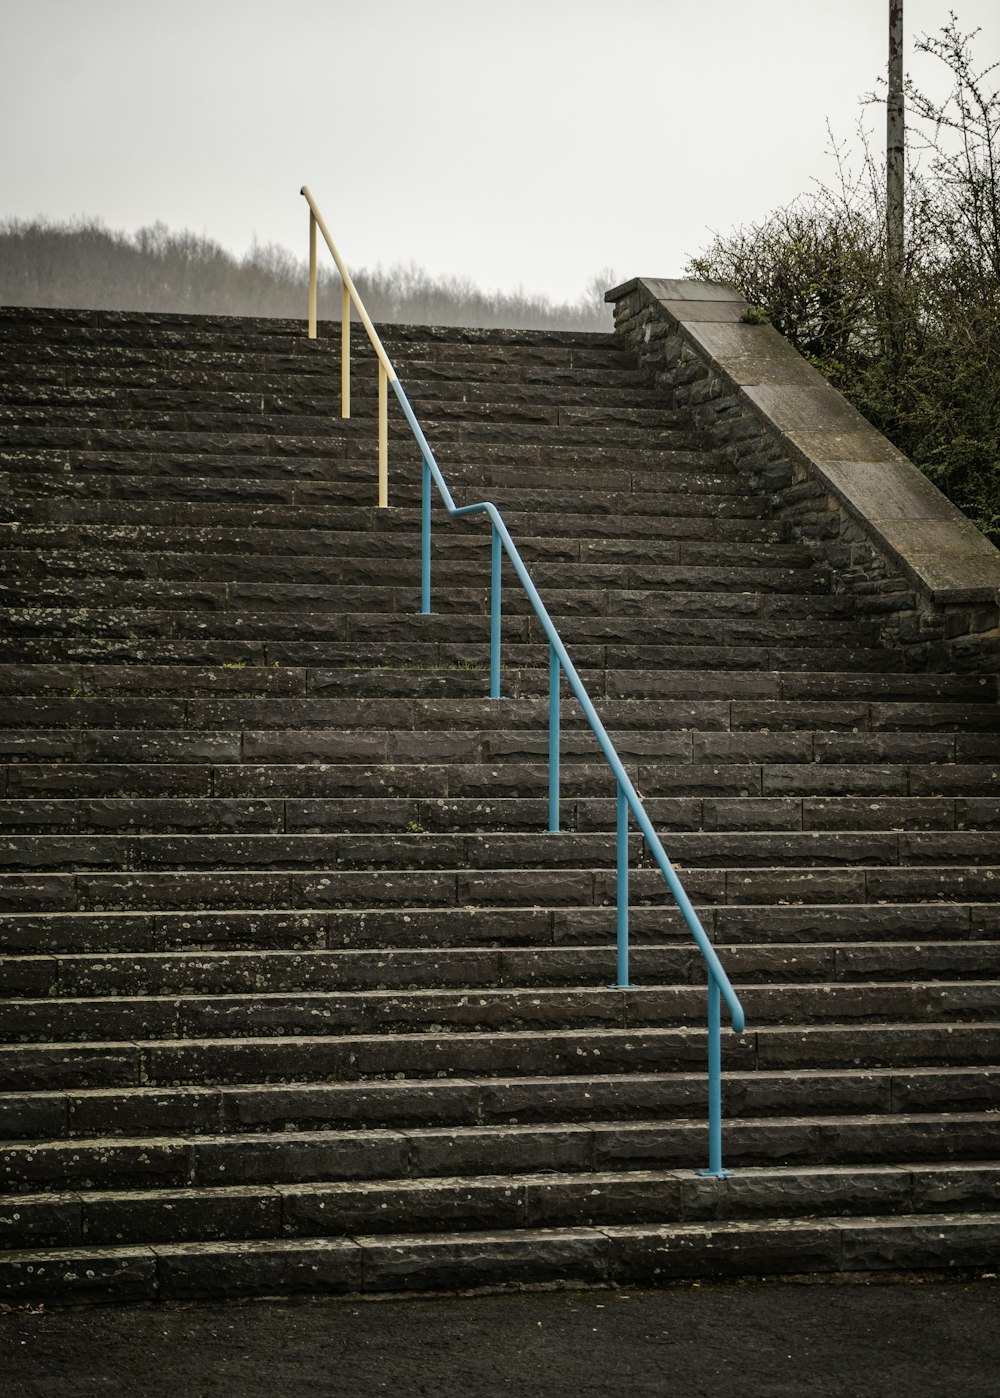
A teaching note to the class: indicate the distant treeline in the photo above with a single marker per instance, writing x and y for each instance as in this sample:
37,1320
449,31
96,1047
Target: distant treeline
87,266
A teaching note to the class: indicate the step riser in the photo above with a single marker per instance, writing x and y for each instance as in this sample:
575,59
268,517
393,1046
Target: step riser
513,852
54,933
433,888
452,544
468,816
648,614
316,1011
423,1154
212,682
334,570
304,1059
339,1210
460,1103
681,498
472,967
415,781
653,663
819,721
651,1255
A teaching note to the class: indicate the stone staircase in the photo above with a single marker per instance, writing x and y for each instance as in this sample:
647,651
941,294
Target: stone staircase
299,994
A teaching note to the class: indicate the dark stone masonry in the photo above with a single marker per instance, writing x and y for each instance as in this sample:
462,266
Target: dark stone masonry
865,511
297,993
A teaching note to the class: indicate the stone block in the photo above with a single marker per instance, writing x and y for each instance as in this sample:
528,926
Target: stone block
207,1270
474,1259
942,1242
79,1275
41,1221
180,1215
725,1250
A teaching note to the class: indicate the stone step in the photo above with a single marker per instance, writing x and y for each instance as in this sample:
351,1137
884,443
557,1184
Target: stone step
678,474
287,349
212,682
478,967
458,543
172,1062
80,429
566,466
627,631
467,815
503,1009
660,751
456,1101
379,658
680,496
404,851
205,336
312,521
343,571
614,1254
445,1205
415,1153
317,412
28,365
353,455
320,367
40,930
326,887
90,386
280,331
209,766
514,715
653,613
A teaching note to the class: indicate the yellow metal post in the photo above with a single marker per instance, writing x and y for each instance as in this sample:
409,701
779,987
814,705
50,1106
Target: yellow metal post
383,438
345,352
312,275
386,373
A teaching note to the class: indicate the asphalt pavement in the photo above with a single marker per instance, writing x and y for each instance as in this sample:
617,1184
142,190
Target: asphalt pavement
709,1341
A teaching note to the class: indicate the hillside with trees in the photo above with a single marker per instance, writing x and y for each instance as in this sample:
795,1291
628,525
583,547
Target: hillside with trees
87,266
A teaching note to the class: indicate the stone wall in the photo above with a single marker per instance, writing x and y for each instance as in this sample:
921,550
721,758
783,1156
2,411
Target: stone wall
931,579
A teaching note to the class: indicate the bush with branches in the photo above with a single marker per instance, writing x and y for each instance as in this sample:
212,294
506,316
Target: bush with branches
918,352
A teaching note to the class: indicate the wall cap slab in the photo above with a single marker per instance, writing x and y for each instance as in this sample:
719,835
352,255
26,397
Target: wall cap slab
933,543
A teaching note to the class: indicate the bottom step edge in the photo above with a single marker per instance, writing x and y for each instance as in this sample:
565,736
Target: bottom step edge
614,1255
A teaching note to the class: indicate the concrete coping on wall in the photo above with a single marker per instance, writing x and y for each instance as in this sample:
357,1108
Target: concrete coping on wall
934,544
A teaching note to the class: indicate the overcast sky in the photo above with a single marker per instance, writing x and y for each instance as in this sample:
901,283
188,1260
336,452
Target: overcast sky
516,142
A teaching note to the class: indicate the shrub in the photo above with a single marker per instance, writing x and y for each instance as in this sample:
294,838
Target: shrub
917,353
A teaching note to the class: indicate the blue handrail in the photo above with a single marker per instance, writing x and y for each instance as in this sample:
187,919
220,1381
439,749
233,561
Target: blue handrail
627,798
719,985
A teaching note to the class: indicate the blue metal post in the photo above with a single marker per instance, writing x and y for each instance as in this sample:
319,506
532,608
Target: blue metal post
622,890
495,616
555,677
715,1083
425,540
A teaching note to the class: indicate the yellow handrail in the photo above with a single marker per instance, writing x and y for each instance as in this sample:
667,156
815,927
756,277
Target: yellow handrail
386,373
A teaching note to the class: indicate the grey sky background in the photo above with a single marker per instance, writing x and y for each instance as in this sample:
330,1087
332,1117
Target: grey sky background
528,142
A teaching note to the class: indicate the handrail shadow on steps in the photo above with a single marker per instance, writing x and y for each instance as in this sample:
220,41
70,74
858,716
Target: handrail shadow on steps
628,800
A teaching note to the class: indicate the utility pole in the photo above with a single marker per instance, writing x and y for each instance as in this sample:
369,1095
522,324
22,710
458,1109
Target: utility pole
895,143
